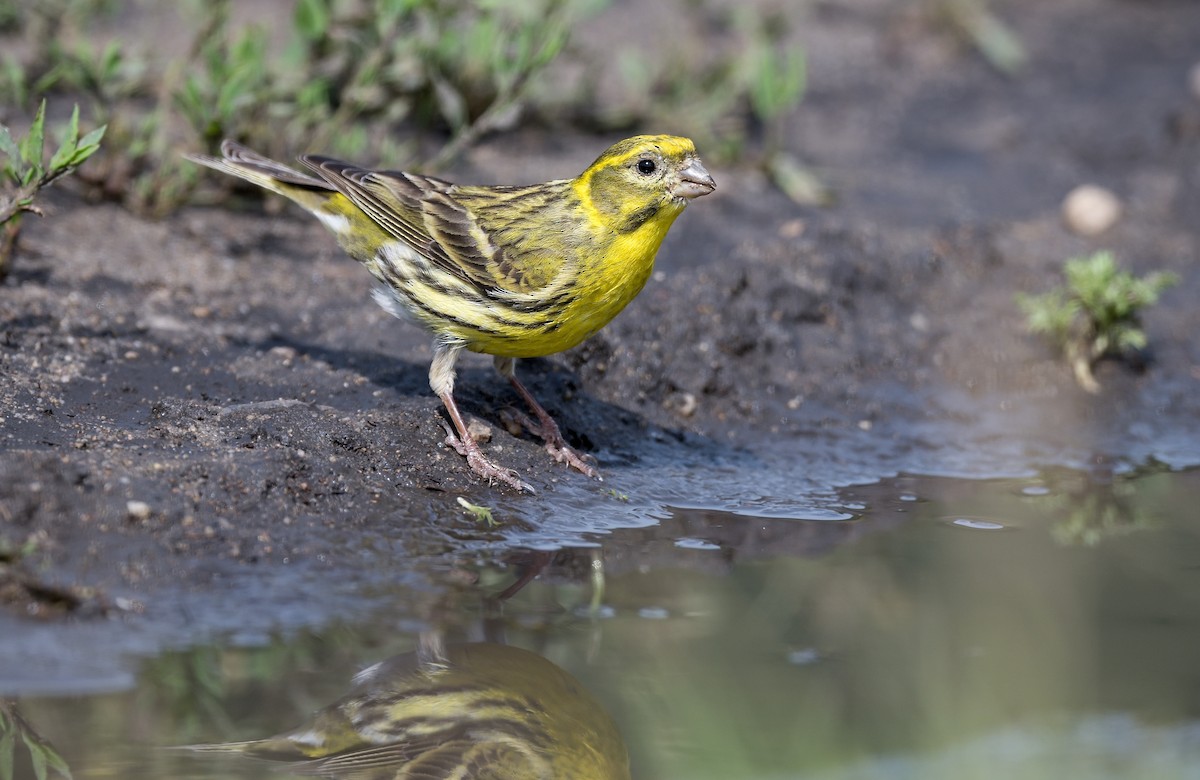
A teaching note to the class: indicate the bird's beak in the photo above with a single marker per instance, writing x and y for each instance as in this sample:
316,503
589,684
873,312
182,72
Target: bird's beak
694,181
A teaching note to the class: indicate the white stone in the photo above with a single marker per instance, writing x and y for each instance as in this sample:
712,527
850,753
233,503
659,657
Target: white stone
1089,210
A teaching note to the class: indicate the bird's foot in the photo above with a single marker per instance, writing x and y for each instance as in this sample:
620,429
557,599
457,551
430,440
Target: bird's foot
484,467
547,430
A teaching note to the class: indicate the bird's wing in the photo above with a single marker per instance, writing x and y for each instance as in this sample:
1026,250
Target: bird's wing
423,212
434,760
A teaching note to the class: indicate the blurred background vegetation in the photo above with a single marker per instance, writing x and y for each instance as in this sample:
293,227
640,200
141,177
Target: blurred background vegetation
397,83
412,83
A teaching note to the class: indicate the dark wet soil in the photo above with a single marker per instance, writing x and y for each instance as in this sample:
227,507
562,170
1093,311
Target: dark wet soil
193,410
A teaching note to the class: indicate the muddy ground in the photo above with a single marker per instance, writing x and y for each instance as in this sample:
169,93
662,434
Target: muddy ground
208,421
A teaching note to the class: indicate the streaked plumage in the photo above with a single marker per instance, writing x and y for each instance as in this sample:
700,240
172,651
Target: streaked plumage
513,272
469,712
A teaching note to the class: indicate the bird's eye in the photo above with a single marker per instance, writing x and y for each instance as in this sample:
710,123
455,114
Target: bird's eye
646,167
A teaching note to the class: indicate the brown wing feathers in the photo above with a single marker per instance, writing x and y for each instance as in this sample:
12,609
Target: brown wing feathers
419,210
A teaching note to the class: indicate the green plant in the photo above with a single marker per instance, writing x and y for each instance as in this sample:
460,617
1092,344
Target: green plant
42,755
743,90
43,25
25,172
411,83
228,82
117,88
1099,512
1097,313
349,75
995,41
351,70
482,514
776,80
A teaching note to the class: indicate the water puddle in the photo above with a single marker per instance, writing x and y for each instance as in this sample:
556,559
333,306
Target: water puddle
1042,627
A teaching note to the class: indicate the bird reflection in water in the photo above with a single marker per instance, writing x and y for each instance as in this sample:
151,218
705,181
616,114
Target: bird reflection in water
481,711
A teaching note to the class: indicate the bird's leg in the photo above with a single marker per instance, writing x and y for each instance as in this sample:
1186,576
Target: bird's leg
545,427
441,379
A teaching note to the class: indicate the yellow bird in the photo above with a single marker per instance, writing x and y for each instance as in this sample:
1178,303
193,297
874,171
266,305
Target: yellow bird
512,272
478,711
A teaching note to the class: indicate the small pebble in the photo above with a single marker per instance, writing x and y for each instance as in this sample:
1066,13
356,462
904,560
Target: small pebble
1089,210
137,510
479,431
793,228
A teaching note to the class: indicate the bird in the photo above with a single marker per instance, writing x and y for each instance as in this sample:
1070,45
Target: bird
484,711
509,271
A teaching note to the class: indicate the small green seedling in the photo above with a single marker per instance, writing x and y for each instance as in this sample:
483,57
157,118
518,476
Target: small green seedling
25,172
997,42
1097,313
482,513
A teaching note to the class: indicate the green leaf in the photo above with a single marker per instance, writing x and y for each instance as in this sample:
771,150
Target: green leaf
89,144
482,514
58,763
1160,281
999,44
31,174
451,103
110,62
551,47
31,145
778,81
15,80
62,157
8,147
8,742
73,126
36,757
797,180
312,18
1133,338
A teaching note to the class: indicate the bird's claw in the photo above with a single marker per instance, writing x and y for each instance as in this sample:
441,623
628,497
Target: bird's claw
549,433
564,454
485,468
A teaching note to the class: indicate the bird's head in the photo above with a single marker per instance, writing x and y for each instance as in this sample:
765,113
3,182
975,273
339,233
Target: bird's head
642,178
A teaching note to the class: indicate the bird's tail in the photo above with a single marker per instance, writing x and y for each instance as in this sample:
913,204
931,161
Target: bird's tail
279,748
236,160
